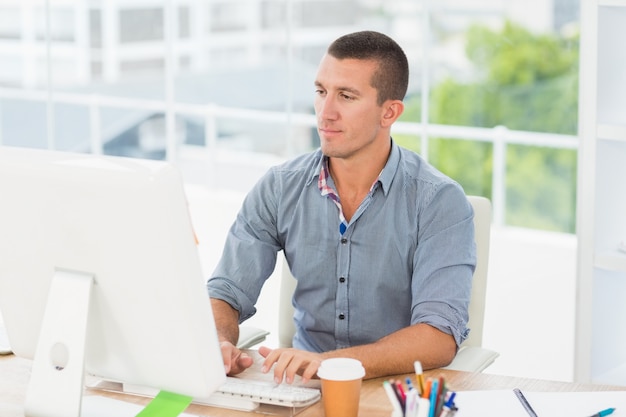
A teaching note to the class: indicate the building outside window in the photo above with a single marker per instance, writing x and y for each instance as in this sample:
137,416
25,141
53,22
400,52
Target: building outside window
492,98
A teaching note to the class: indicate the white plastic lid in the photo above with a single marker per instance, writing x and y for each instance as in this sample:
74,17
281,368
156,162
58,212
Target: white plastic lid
341,369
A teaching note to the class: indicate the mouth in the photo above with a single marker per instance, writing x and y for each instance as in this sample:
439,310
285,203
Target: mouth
326,131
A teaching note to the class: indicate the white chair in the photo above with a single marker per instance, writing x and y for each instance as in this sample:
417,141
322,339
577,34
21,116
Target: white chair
471,356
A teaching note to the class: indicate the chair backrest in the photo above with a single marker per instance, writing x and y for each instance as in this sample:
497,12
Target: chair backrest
482,234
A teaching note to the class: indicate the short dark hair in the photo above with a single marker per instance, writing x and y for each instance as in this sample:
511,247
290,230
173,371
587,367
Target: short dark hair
391,79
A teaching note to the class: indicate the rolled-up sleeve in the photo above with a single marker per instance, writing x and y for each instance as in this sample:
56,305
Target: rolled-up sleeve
249,255
444,261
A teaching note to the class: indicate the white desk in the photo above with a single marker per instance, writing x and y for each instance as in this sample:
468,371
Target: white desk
14,375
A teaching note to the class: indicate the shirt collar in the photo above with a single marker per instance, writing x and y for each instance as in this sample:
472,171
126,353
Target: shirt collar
317,168
386,176
391,167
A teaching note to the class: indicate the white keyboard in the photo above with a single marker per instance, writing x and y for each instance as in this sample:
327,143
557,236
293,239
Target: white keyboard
250,390
245,394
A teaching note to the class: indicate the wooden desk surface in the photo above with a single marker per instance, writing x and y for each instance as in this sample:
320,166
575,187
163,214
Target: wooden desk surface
15,372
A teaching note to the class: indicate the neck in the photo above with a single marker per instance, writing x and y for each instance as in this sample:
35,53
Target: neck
356,175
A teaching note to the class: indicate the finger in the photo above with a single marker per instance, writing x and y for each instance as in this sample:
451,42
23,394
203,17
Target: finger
244,361
226,356
270,355
310,371
239,362
281,365
303,364
264,351
235,361
293,367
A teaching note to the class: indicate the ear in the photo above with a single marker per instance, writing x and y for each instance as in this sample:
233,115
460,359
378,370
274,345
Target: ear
392,109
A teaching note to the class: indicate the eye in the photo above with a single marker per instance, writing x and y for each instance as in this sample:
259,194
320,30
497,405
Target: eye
346,97
319,91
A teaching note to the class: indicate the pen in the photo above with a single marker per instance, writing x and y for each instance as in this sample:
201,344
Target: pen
449,409
411,403
441,395
604,412
393,398
419,376
423,407
401,392
397,385
434,392
450,401
449,412
426,391
525,402
409,384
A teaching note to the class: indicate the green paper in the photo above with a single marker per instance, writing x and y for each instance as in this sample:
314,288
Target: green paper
166,404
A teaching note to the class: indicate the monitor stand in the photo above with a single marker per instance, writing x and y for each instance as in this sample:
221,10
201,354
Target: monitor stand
56,383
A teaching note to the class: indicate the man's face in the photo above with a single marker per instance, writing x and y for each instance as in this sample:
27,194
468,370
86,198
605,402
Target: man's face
348,116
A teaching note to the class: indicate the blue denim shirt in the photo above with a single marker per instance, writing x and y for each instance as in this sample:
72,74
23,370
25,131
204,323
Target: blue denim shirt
406,257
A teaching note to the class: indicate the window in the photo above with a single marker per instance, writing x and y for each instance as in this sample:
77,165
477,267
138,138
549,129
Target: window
61,24
141,25
492,97
228,16
10,23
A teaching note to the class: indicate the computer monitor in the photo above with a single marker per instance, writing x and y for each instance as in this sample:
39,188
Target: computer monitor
100,273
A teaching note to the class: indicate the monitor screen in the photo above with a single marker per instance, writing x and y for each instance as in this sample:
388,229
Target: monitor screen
100,273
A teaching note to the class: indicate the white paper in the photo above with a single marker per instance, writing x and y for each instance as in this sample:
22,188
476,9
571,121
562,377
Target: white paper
504,403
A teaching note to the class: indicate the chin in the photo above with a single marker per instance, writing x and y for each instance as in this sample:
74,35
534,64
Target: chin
326,148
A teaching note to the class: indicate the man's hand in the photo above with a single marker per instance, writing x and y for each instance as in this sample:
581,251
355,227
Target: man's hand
235,361
289,362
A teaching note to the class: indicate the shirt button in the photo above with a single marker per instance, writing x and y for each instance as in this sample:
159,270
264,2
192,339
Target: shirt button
342,316
344,240
342,279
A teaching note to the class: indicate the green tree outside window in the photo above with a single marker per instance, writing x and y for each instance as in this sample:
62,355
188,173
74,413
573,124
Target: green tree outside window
528,82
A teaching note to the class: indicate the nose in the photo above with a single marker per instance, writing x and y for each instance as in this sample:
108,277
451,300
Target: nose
325,107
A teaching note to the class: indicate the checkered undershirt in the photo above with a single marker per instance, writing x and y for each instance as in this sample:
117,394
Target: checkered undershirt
327,190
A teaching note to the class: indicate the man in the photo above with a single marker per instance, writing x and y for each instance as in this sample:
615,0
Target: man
380,242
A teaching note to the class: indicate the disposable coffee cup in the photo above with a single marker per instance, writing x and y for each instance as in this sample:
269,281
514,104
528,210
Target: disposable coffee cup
341,386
